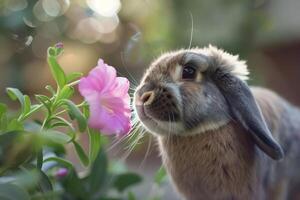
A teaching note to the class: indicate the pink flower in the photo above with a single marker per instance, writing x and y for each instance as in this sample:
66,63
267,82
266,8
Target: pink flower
59,45
61,172
108,98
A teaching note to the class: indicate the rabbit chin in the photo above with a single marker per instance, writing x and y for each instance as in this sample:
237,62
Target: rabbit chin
164,128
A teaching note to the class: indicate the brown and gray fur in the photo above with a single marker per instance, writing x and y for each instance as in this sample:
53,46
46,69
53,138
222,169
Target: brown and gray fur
219,138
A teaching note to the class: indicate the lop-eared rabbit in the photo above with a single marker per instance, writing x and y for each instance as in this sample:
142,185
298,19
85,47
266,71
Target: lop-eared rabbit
219,138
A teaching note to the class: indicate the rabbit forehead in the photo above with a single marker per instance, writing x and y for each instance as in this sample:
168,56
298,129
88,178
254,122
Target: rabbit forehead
167,63
161,68
223,60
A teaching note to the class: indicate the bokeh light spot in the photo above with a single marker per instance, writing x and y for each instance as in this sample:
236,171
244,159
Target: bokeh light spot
56,8
16,5
51,7
40,13
107,8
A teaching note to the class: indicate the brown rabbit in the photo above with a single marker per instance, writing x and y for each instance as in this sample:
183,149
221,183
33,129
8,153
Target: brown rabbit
220,139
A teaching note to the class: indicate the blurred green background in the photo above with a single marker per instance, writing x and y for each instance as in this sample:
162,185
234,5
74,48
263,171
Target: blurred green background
129,34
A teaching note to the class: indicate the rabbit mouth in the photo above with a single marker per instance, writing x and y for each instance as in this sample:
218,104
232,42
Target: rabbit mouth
159,121
157,126
157,113
158,107
141,112
159,102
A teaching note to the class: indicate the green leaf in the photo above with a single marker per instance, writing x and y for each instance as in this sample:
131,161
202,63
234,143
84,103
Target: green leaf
15,94
3,123
131,196
52,195
95,143
56,50
81,154
56,70
59,160
98,174
6,141
74,112
3,117
33,107
59,51
18,147
74,187
10,191
39,159
43,99
50,89
3,109
51,51
26,178
14,125
66,92
73,76
27,104
123,181
160,175
46,101
86,110
59,121
57,137
59,124
44,183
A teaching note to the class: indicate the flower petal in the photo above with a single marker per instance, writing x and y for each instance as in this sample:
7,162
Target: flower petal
108,98
107,122
106,75
119,125
121,87
86,86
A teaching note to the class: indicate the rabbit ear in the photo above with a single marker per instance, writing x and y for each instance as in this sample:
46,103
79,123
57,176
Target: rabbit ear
245,110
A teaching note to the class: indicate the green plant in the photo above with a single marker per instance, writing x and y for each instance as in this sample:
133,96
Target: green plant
32,152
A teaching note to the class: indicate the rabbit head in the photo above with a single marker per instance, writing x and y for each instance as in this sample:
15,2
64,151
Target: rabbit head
192,91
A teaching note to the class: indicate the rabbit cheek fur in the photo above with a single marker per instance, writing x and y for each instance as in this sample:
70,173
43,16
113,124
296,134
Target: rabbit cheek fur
218,138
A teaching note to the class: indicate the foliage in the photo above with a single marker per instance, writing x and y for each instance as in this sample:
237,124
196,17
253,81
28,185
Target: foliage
33,151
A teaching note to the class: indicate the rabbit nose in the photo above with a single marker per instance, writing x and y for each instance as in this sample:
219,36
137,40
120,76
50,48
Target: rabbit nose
147,98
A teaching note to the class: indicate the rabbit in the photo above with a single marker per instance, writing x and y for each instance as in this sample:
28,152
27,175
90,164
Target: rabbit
219,139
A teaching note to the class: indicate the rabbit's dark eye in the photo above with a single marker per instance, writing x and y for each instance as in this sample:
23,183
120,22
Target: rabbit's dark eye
188,72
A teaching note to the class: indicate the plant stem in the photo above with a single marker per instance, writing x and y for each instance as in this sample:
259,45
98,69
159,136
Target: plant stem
33,111
74,83
78,106
30,112
39,159
44,123
53,98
